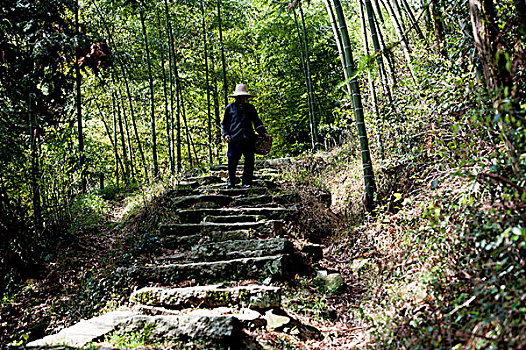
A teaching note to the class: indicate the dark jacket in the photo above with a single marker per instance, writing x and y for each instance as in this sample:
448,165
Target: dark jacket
238,120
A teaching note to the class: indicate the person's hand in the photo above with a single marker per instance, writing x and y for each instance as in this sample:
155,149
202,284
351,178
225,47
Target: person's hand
228,139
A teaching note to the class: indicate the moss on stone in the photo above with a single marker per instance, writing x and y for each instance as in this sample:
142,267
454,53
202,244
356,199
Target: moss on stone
219,297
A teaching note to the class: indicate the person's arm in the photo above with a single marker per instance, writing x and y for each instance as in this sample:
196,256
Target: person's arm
227,119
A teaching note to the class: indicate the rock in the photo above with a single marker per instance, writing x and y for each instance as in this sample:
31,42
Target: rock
188,201
252,296
276,267
85,331
241,249
270,227
196,215
172,242
200,326
248,317
333,282
204,180
358,264
233,218
236,192
275,321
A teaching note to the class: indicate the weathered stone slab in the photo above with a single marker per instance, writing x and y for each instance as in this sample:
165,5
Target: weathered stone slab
248,317
188,201
85,331
265,200
256,183
241,249
174,242
198,326
275,267
204,180
332,282
236,192
271,227
196,215
233,218
253,296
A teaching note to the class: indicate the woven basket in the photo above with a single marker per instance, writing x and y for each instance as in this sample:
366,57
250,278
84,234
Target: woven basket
263,145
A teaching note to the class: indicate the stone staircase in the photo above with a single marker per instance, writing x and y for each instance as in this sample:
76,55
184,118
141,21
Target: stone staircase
231,243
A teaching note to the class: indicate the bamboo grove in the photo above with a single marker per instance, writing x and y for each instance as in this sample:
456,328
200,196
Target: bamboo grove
126,92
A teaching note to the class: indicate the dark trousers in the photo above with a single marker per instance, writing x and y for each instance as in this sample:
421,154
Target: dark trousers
235,150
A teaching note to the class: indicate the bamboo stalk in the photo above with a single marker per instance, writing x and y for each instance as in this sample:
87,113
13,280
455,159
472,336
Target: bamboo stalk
337,38
368,172
209,120
153,133
401,37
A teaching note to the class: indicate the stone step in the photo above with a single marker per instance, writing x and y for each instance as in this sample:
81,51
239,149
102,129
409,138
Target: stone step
237,191
264,174
260,164
210,296
196,215
255,184
177,242
270,227
199,325
265,199
241,249
233,218
204,200
85,331
277,267
249,318
204,180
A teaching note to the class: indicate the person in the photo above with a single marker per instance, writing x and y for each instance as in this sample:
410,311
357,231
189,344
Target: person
239,122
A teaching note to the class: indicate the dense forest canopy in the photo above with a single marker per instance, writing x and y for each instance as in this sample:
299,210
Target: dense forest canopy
117,94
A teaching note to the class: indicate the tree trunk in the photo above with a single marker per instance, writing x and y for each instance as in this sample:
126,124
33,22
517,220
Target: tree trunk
190,144
397,11
153,136
115,150
78,82
223,61
372,87
209,117
436,16
171,59
376,45
167,111
215,98
378,10
367,165
178,118
493,60
401,36
128,138
337,38
310,94
413,21
133,120
123,143
35,187
520,5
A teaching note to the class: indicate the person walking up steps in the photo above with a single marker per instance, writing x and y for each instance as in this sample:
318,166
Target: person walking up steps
239,122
